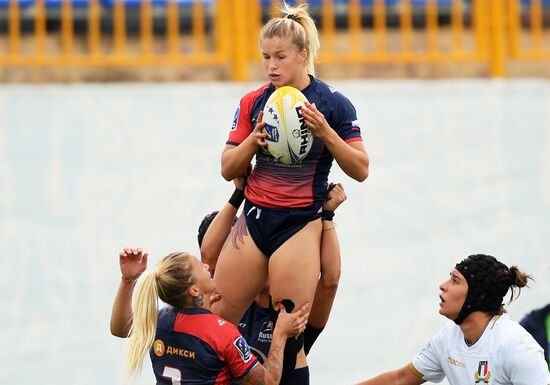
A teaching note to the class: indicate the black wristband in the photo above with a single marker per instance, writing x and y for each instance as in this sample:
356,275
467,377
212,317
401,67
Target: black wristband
237,198
327,215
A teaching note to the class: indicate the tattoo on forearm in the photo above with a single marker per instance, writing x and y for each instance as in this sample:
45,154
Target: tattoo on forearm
273,368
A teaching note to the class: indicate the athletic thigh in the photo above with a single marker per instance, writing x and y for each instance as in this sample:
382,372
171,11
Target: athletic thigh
294,267
241,272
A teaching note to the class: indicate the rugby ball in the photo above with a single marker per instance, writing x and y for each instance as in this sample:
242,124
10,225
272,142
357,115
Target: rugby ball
288,138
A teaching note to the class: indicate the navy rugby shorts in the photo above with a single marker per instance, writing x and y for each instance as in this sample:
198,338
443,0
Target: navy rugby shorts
271,227
295,377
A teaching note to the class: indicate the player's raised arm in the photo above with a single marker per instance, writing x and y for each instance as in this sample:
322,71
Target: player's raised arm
212,239
133,262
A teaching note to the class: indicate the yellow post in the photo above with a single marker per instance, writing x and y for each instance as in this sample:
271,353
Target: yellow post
536,24
239,70
119,21
514,26
14,27
94,30
172,27
457,25
254,26
497,35
223,27
354,21
67,26
40,28
406,26
146,20
480,25
380,25
198,27
327,22
431,25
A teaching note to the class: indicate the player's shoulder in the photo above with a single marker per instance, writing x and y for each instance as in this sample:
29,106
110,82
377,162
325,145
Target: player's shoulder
328,91
511,339
508,331
250,97
166,316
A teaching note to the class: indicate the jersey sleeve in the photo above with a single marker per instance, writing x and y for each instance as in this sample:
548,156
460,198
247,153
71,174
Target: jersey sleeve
426,364
242,124
348,127
237,354
243,121
524,361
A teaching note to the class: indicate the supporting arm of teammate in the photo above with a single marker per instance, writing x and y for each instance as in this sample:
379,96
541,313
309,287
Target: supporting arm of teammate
330,263
218,231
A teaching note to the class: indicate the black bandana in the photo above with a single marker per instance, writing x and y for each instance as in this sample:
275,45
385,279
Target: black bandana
488,282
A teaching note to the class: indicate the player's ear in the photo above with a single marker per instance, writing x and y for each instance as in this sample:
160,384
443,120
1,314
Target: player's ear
194,291
303,55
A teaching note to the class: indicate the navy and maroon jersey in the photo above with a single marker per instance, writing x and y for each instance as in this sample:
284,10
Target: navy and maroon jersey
194,346
256,327
272,184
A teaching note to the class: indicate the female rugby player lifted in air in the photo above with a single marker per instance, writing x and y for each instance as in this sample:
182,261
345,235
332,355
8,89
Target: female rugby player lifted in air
283,203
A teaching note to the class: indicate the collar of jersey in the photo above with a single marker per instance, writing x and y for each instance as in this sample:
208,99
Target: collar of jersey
195,310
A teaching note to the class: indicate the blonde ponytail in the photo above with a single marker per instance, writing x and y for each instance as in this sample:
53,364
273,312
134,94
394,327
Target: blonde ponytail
142,333
298,27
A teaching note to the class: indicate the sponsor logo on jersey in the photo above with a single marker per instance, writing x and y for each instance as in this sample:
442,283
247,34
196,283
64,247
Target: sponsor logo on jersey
272,133
454,362
236,119
221,322
483,374
243,349
355,126
160,350
266,332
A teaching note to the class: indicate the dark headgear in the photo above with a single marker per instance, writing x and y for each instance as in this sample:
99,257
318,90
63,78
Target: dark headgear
488,282
205,223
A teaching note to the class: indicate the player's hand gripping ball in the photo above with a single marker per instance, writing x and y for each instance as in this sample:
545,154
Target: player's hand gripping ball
288,138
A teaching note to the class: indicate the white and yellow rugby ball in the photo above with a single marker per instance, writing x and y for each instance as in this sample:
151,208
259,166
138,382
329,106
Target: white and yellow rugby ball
288,138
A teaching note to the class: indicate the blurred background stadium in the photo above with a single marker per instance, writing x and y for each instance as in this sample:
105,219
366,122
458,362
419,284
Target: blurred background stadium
117,111
74,40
